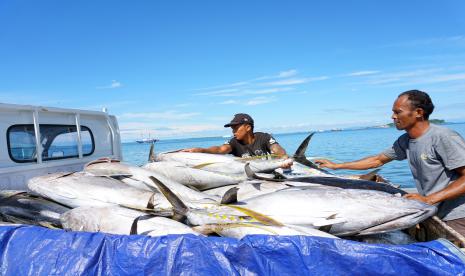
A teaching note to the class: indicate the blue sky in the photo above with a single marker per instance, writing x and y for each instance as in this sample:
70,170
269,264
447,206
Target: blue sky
183,68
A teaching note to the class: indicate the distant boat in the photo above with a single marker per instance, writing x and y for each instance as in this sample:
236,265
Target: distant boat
147,140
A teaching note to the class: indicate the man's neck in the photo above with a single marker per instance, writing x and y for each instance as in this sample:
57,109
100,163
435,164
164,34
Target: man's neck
418,129
249,139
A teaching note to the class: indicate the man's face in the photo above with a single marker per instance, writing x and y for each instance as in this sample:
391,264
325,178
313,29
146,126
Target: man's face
404,115
240,131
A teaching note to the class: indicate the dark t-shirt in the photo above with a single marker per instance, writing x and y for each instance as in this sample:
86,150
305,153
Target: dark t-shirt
261,145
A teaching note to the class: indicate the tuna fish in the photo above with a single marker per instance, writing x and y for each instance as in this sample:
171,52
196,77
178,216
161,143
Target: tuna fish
111,168
240,230
24,208
221,163
118,220
200,179
79,189
353,212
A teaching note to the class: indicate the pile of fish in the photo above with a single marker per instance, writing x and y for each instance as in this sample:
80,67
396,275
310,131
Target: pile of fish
205,194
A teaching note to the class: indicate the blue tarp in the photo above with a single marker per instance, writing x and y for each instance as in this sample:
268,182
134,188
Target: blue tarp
40,251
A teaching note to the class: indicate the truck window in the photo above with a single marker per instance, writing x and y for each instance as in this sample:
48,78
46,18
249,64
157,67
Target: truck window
58,142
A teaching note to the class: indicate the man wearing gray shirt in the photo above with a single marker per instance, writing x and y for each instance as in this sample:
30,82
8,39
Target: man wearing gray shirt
436,156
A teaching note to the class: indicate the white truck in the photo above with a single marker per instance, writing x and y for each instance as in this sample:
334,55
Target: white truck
37,140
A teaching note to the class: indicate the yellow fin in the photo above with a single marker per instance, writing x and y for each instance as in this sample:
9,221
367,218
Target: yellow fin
199,166
47,224
259,217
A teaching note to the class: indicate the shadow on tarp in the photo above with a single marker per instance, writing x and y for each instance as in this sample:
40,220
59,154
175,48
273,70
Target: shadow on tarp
30,250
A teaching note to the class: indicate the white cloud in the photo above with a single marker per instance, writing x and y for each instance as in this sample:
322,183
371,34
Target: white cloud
226,88
167,115
403,75
222,92
231,85
287,74
229,102
294,81
269,91
361,73
114,84
134,130
260,100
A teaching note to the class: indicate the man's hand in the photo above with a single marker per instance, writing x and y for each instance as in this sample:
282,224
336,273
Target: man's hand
325,163
192,150
287,165
419,197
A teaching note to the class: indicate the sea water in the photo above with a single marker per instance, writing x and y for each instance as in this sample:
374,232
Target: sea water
338,146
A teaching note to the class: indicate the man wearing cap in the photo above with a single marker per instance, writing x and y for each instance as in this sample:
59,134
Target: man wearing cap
245,143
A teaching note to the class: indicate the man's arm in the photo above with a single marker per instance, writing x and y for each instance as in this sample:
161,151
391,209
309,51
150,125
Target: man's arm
363,164
455,189
278,150
223,149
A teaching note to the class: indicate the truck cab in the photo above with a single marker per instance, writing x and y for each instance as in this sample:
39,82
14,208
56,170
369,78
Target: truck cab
38,140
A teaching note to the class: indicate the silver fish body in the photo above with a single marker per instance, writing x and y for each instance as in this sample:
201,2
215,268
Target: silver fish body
200,179
143,176
240,230
118,220
347,211
80,189
21,207
221,163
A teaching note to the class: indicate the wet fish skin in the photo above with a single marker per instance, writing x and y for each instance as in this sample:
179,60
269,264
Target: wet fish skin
197,178
80,189
119,220
347,183
250,188
359,212
19,206
240,230
222,163
143,175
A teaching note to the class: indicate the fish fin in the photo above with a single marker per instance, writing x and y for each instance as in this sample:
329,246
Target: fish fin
47,224
193,188
13,194
133,230
329,221
230,196
327,228
371,176
113,175
204,229
299,155
303,146
64,174
252,175
257,216
13,219
132,207
102,160
152,153
200,166
180,209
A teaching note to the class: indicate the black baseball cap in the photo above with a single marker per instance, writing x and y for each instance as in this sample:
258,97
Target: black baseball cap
239,119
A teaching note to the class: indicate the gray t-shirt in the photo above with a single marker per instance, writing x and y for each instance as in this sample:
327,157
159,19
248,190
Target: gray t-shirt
432,158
